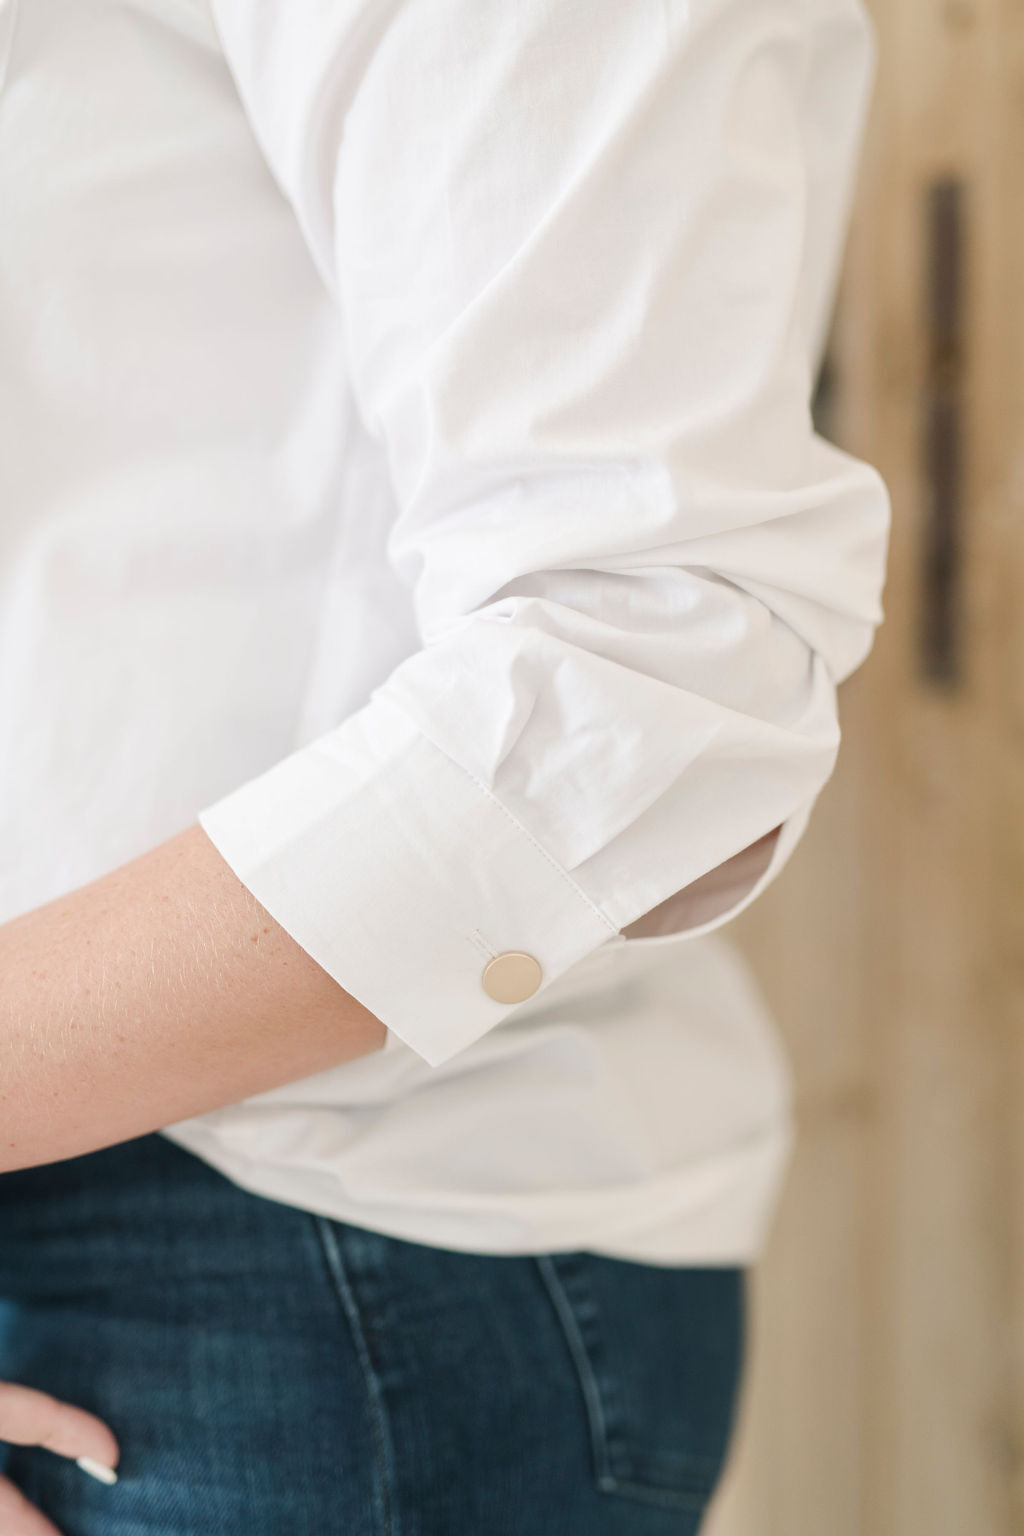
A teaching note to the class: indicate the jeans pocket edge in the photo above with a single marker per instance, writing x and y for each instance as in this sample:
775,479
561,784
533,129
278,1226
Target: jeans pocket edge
692,1488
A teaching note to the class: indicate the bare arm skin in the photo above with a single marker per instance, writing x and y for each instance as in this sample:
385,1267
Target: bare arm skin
162,990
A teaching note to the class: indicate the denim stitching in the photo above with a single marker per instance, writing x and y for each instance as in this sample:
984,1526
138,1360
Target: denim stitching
384,1454
591,1393
650,1493
608,1479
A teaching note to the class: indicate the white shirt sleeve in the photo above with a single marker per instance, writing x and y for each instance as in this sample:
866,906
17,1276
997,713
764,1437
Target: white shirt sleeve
584,253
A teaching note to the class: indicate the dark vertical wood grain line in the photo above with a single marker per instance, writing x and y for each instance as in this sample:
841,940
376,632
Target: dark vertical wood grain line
941,627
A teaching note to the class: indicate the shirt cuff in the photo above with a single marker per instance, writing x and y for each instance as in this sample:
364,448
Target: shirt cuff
402,876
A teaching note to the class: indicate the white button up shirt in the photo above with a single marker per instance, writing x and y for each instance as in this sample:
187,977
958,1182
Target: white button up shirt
408,472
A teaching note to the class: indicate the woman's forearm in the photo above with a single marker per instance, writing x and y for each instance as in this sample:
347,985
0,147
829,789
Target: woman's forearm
157,992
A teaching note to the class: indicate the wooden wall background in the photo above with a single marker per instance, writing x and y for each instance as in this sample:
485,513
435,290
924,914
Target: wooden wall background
885,1395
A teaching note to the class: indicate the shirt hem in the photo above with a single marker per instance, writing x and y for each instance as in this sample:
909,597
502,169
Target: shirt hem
714,1212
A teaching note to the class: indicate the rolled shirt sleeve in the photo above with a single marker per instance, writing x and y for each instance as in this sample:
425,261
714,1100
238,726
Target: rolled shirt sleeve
584,253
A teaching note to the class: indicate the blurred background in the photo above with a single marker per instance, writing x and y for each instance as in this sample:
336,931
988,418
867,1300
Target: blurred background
885,1389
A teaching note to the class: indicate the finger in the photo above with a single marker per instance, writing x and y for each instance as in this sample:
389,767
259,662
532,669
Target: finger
20,1518
28,1417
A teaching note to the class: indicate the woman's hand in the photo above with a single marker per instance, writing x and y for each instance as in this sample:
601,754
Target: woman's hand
33,1418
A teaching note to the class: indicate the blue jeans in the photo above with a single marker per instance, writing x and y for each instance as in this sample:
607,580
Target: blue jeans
273,1373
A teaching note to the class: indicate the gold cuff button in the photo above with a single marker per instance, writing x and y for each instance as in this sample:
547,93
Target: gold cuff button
511,977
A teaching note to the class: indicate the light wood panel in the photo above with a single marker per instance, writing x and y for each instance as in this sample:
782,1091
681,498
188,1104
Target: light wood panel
886,1390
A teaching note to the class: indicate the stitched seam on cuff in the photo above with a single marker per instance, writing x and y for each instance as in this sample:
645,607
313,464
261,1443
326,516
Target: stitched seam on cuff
523,831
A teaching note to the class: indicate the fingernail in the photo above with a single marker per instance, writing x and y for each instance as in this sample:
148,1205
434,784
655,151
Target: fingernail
97,1470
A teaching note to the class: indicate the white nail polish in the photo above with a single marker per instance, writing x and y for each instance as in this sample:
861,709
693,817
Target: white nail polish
97,1470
